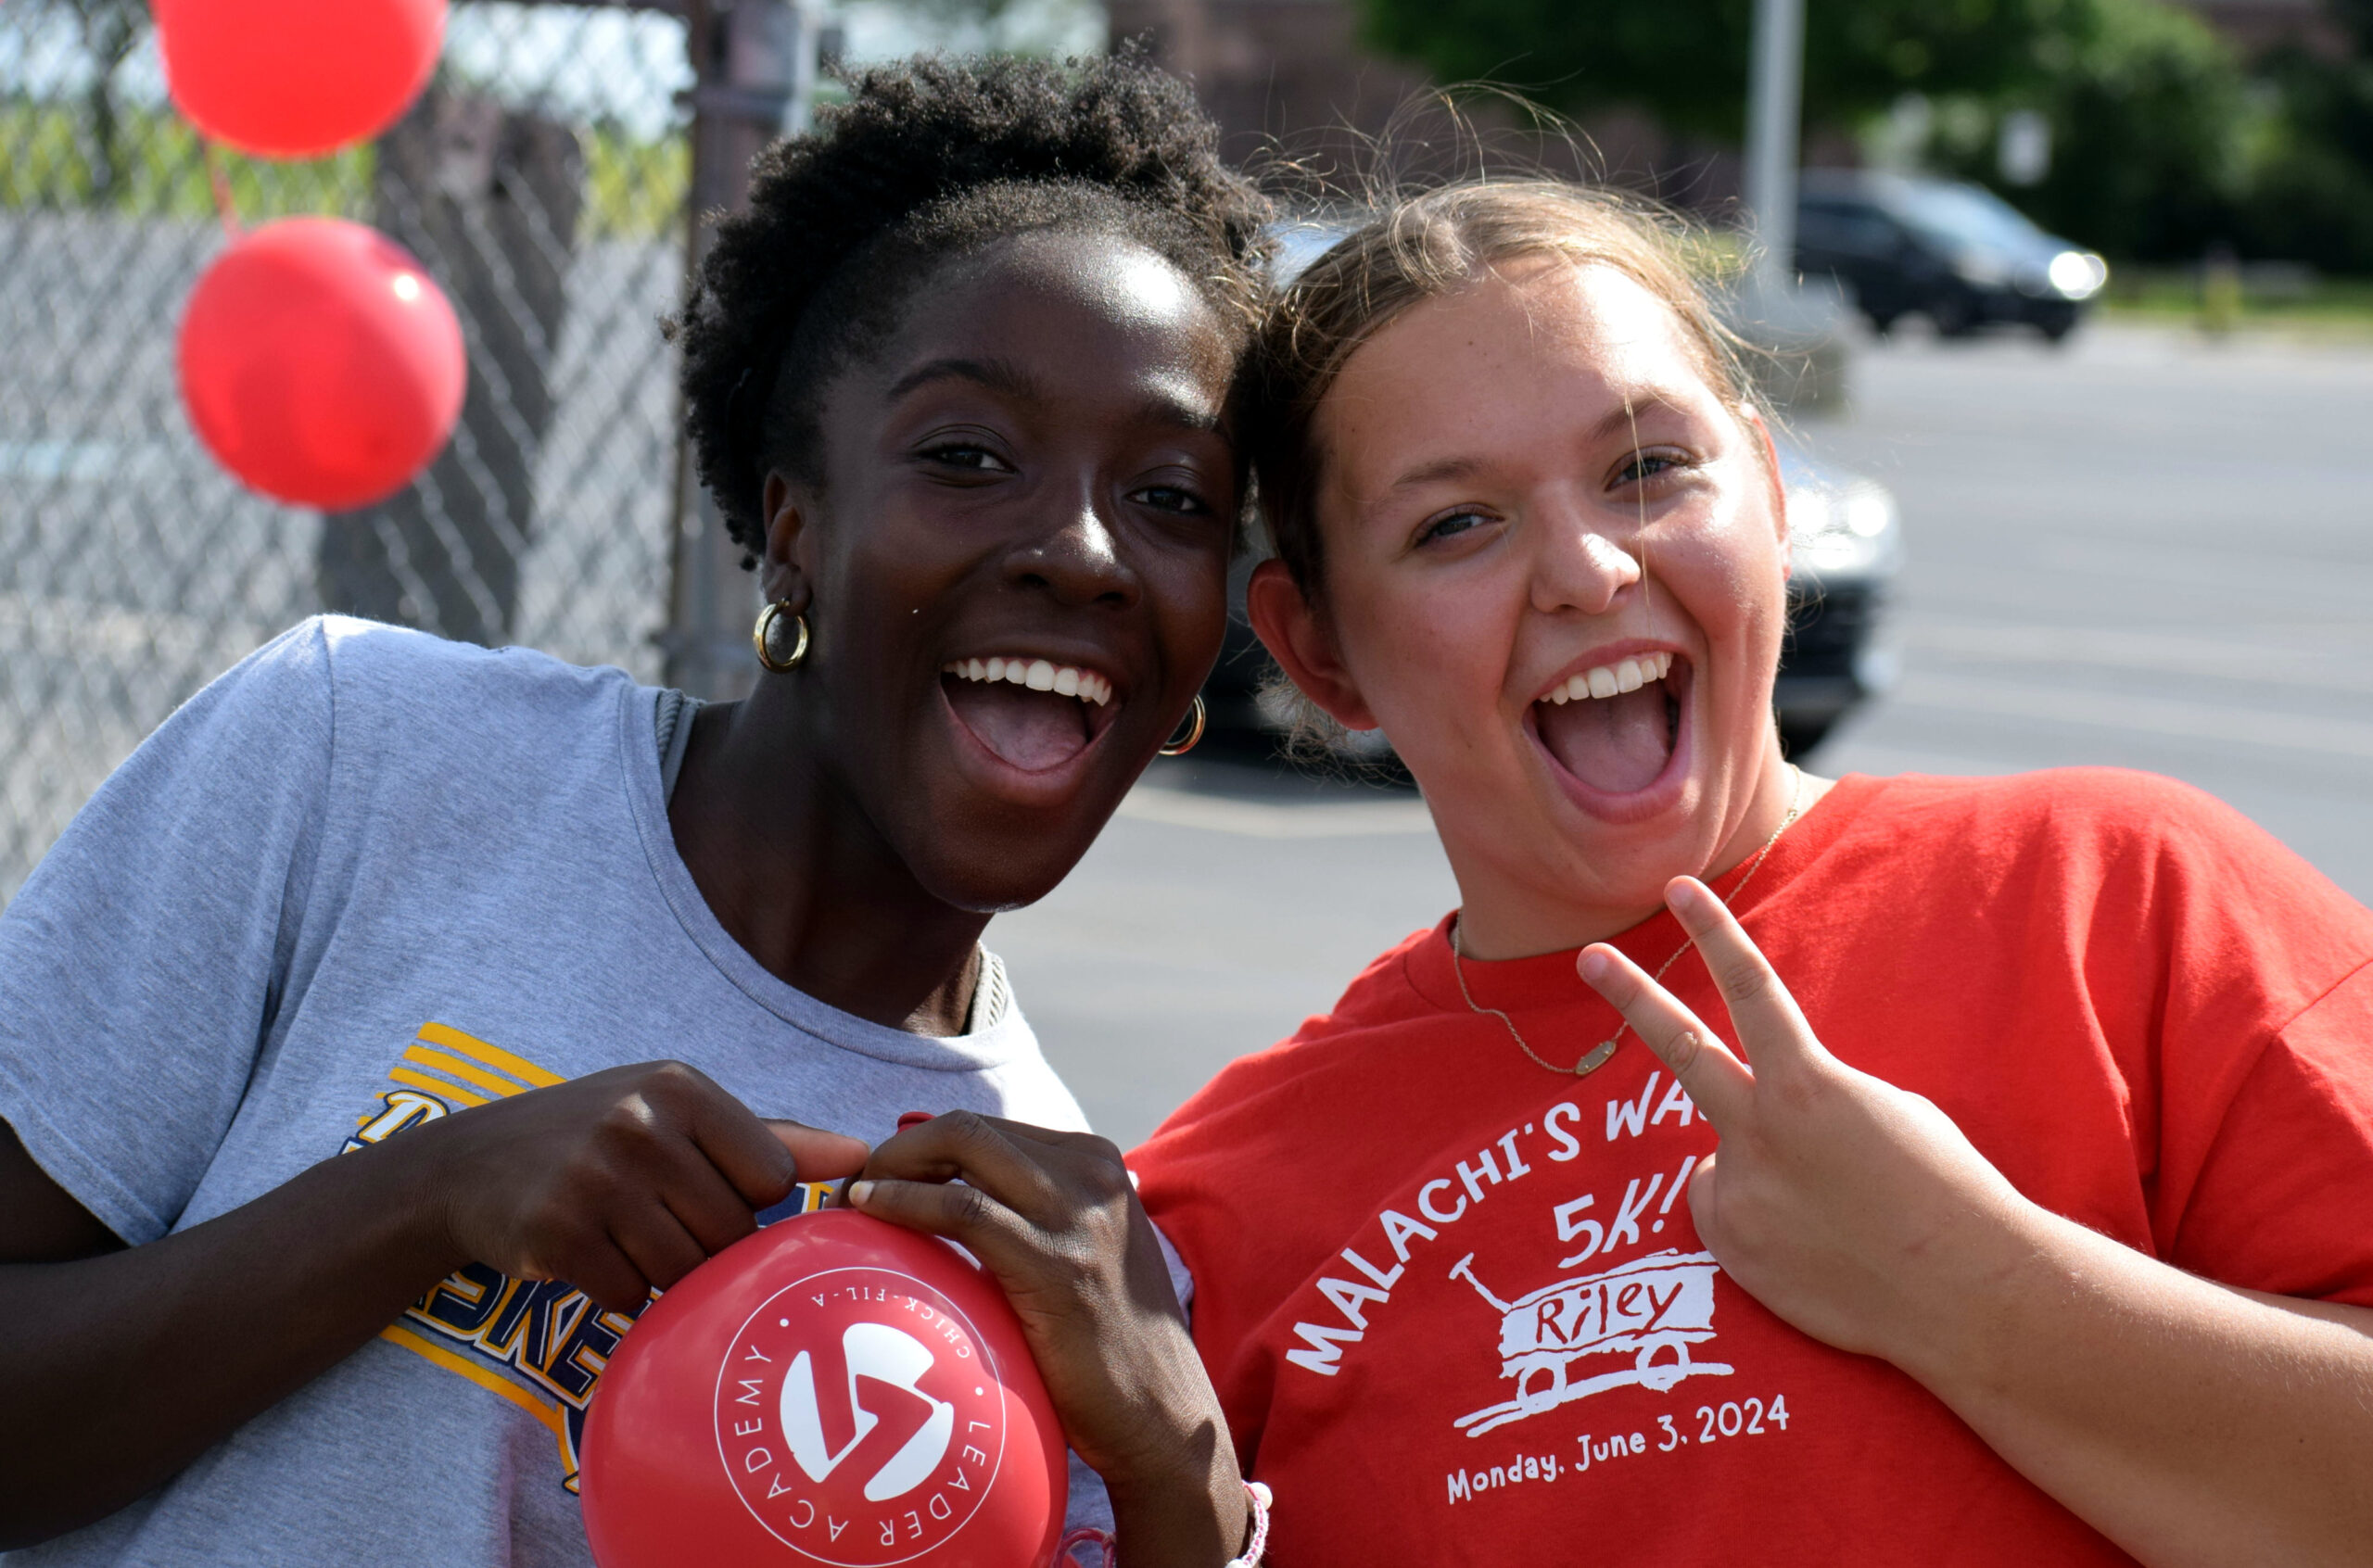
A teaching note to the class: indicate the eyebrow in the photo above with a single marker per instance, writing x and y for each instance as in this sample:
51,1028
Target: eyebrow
998,375
1158,407
1620,419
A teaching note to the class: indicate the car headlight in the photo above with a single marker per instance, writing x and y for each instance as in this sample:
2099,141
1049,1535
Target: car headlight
1841,532
2078,275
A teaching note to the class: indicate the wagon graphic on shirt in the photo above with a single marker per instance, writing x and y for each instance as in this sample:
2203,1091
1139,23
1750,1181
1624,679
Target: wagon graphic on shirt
1646,1312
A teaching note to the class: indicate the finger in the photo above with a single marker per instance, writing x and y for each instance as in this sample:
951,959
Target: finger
655,1242
964,1146
744,1149
1007,1245
709,1209
1702,1205
603,1273
1027,1133
1766,1017
820,1155
1718,1081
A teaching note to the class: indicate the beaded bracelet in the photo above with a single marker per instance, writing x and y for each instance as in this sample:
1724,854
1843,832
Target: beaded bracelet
1255,1492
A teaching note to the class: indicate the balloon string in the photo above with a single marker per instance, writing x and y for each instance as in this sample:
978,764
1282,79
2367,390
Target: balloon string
223,207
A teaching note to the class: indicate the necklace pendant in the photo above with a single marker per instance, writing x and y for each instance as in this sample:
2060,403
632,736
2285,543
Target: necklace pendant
1594,1059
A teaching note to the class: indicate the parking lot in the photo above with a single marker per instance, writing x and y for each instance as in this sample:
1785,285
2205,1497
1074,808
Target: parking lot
2141,548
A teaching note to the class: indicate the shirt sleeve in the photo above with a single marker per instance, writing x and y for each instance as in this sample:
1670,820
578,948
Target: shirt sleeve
2279,1203
142,963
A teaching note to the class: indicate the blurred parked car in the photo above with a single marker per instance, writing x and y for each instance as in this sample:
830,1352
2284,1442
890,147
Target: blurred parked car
1846,548
1957,254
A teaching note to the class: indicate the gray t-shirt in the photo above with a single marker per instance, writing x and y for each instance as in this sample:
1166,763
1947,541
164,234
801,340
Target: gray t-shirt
366,878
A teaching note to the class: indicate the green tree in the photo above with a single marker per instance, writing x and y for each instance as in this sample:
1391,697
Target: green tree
2156,136
1685,61
2311,197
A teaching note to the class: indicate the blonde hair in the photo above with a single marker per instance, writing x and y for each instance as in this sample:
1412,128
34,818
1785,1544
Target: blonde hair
1425,246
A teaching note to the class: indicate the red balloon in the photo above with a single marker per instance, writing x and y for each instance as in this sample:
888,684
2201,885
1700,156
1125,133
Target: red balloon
833,1390
320,364
297,78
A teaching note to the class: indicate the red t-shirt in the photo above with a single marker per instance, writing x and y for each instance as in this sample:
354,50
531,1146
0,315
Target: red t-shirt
1455,1304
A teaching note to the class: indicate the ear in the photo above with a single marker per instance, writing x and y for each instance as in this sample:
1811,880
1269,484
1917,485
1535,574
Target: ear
1298,637
786,572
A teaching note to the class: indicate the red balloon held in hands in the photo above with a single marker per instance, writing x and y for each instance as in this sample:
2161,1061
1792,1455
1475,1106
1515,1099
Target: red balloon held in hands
320,364
297,78
833,1390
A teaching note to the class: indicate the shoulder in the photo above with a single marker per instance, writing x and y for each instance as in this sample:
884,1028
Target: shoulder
2063,801
409,698
2077,825
2124,882
393,666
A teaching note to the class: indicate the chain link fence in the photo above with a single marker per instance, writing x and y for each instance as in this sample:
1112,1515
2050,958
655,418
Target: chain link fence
543,180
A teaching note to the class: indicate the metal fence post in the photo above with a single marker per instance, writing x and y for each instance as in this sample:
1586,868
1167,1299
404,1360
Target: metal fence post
756,64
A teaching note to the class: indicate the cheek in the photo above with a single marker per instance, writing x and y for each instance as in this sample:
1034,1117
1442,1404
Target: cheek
1731,578
1188,589
1429,657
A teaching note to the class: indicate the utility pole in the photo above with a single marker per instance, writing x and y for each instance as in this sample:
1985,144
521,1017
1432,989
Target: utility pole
756,67
1774,113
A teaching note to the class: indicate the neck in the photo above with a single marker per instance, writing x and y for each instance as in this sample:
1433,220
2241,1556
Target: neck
798,874
1515,913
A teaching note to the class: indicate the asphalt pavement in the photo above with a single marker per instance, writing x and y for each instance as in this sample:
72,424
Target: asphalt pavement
2142,548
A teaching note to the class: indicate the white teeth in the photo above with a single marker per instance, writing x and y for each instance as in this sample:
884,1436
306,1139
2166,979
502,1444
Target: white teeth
1038,675
1606,680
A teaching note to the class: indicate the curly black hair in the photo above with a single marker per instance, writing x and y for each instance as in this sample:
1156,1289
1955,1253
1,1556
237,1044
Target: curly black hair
927,160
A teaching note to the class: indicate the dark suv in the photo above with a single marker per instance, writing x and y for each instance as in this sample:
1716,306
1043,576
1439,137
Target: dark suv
1957,254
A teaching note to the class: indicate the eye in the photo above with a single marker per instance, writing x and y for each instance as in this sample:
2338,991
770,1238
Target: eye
1450,524
968,455
1643,466
1172,498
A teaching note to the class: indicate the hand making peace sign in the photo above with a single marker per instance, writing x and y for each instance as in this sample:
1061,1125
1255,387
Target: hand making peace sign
1852,1209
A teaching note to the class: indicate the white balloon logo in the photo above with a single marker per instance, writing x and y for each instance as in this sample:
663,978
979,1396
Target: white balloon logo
890,1359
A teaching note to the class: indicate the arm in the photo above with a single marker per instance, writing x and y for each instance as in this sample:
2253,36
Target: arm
2192,1423
618,1182
1054,1219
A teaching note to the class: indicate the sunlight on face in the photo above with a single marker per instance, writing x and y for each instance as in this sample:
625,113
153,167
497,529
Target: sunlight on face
1555,576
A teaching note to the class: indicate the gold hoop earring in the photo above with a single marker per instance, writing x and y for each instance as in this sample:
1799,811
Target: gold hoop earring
1175,747
762,637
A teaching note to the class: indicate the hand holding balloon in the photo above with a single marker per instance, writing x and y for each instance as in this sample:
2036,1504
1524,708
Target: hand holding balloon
1054,1219
1852,1209
618,1182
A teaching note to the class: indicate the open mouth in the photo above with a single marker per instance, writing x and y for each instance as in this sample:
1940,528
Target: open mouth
1614,727
1031,714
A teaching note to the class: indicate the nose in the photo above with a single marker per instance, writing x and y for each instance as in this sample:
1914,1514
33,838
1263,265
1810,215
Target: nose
1080,561
1577,566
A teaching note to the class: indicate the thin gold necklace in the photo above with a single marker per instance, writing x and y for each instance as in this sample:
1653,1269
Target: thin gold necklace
1596,1057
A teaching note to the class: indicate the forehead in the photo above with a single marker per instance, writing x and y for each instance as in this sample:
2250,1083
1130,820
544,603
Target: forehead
1082,304
1526,353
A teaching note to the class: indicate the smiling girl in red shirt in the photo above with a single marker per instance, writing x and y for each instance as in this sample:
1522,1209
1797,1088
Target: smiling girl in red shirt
1992,1193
